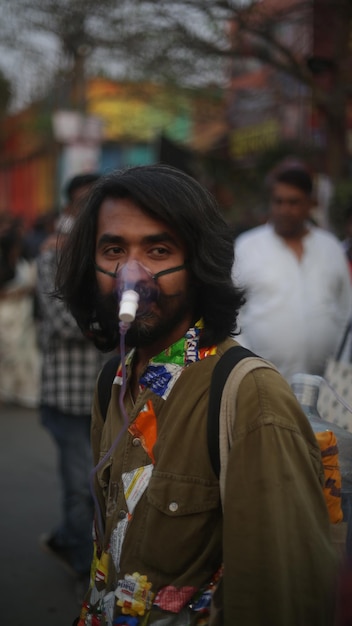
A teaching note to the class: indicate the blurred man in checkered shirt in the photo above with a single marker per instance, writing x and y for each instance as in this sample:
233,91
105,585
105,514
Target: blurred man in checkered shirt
70,368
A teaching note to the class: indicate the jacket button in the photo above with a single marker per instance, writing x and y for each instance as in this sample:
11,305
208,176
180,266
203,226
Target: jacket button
173,506
136,442
122,514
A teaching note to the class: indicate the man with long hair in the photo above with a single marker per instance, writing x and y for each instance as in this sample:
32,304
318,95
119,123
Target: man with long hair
162,542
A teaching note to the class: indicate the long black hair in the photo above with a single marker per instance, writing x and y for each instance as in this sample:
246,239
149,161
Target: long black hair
171,196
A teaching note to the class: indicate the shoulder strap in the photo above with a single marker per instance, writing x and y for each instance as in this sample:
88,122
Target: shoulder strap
224,366
227,414
105,381
343,340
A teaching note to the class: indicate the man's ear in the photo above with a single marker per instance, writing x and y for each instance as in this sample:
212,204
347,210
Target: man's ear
313,210
311,206
313,201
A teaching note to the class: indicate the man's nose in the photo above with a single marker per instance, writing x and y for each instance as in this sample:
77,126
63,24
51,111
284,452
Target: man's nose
133,255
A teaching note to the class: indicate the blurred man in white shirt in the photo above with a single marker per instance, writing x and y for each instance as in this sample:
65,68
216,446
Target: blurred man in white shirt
296,279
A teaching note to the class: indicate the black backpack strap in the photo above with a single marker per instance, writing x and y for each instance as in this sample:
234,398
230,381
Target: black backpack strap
222,369
348,329
105,381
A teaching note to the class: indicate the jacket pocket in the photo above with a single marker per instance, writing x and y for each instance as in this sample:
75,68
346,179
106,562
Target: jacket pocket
181,514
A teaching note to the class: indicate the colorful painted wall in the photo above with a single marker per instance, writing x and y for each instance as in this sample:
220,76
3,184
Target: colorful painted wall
123,126
27,166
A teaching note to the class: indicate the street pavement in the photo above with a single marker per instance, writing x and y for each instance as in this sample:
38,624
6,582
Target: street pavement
35,589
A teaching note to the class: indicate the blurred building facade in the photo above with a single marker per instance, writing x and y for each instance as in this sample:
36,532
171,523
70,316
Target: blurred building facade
216,134
267,106
122,125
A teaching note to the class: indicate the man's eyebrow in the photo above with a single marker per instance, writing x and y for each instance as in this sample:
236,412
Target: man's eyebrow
163,237
110,238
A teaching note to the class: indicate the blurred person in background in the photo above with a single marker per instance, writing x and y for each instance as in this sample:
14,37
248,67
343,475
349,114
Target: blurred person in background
296,278
19,352
9,247
347,242
43,226
70,368
76,189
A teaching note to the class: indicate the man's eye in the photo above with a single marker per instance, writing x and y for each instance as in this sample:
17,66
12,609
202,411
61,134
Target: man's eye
113,250
159,251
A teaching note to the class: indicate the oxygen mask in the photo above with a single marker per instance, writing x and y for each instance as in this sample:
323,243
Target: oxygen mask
136,290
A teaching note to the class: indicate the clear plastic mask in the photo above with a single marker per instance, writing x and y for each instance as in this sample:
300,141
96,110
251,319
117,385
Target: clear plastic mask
134,278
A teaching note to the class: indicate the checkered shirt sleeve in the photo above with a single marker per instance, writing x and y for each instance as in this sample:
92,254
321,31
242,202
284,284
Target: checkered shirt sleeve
70,371
71,363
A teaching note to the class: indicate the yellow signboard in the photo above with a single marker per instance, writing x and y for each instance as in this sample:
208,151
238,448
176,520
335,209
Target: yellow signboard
253,139
136,114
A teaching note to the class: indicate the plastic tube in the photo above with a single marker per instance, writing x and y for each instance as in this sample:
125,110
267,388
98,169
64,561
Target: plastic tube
100,527
135,287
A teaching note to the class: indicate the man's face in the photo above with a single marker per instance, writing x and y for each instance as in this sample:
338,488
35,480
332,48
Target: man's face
289,210
125,233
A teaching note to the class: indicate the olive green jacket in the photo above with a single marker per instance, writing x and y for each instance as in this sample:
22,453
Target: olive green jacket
274,539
